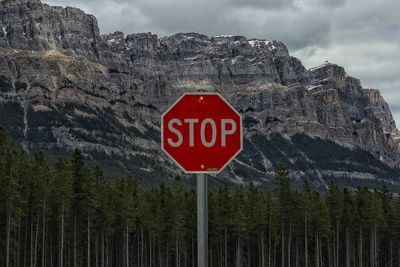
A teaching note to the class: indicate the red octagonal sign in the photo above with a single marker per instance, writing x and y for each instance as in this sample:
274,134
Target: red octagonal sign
201,132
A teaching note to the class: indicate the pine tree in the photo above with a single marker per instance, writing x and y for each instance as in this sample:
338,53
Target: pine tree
9,193
127,198
84,205
306,207
239,222
334,200
41,192
284,198
63,197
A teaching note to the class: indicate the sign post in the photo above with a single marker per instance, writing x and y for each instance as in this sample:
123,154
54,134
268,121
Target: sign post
202,220
201,133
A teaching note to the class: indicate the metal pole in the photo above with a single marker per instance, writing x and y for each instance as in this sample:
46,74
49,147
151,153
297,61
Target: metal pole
202,221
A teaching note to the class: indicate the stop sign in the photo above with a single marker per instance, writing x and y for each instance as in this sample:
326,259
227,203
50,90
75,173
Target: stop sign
201,132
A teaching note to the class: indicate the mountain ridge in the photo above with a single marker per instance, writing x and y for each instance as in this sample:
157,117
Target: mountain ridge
65,86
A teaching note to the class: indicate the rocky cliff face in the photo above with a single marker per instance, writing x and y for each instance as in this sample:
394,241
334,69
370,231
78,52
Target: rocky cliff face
63,85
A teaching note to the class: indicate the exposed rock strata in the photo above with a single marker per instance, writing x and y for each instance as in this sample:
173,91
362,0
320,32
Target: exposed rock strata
63,85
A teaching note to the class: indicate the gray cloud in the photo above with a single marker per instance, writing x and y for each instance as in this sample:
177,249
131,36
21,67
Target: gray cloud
261,3
299,24
363,36
332,3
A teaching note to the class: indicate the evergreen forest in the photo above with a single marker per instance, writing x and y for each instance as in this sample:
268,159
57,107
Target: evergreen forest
67,214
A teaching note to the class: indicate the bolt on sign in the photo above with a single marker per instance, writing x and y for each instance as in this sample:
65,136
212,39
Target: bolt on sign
202,132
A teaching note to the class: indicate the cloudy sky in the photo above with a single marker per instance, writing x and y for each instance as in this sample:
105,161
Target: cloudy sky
361,35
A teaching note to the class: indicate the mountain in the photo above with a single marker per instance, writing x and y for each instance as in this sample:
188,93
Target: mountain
63,85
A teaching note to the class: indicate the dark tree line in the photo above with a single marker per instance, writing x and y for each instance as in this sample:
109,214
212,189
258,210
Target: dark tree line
70,215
